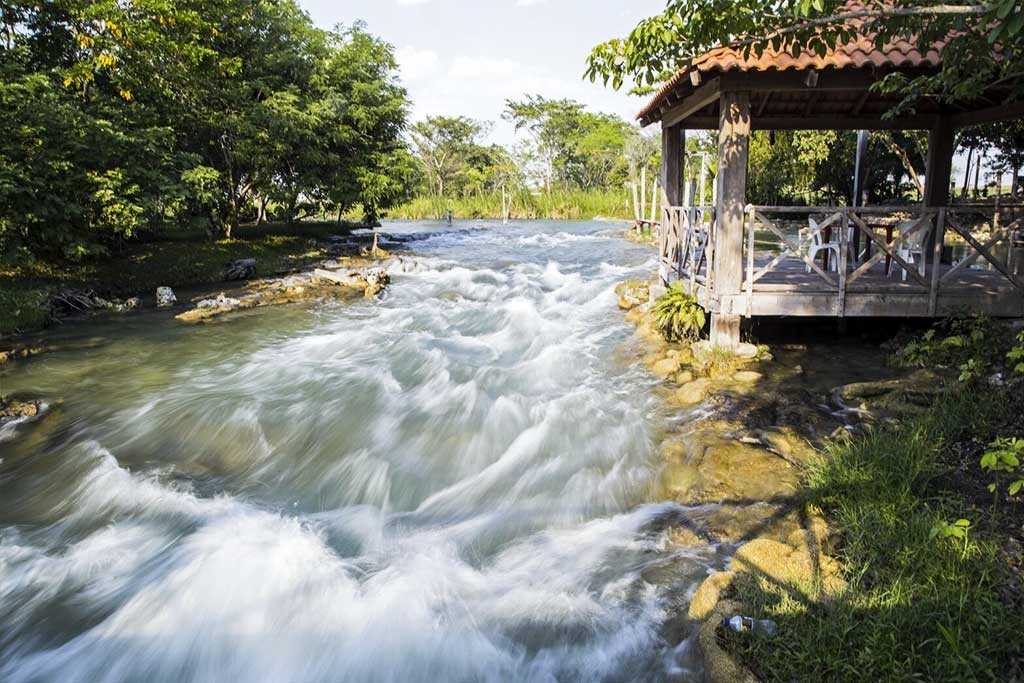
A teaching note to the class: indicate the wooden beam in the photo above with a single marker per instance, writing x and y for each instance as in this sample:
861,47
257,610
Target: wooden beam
794,80
1004,112
733,153
765,99
672,141
860,103
818,122
701,97
810,104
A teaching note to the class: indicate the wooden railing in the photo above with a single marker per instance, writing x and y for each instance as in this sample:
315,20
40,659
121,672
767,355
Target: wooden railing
686,243
858,226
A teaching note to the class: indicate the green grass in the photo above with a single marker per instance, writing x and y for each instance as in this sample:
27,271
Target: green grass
558,205
918,607
175,259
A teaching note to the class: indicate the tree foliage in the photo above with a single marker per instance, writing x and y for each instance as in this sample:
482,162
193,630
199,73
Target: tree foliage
123,118
660,45
570,146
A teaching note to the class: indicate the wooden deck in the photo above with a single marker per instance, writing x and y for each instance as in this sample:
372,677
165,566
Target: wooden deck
783,281
788,290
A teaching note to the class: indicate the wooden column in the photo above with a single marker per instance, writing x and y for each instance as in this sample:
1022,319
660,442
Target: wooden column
672,141
938,169
940,163
671,183
733,149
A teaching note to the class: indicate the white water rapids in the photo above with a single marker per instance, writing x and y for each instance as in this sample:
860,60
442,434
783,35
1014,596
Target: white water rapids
451,484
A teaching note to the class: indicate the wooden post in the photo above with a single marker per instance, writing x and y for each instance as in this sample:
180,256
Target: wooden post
672,138
733,150
937,172
671,175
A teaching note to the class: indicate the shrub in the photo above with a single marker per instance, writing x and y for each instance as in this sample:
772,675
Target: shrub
678,315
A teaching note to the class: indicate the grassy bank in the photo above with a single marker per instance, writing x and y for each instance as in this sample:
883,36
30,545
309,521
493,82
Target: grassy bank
174,260
558,205
927,600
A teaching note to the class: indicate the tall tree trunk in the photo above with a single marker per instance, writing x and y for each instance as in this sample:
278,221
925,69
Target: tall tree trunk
1014,182
967,173
977,175
907,165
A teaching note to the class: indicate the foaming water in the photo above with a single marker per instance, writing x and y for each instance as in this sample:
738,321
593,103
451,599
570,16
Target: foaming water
448,484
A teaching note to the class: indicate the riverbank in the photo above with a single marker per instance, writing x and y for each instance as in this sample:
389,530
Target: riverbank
178,260
839,481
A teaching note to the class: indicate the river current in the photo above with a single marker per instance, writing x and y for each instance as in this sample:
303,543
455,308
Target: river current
457,482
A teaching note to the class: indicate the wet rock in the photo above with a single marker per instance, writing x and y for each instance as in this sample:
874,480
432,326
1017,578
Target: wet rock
708,594
706,467
747,376
345,279
242,269
666,367
632,293
376,280
221,302
719,665
693,392
684,377
16,408
165,297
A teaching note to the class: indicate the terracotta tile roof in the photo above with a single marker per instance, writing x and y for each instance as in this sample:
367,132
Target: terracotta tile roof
857,54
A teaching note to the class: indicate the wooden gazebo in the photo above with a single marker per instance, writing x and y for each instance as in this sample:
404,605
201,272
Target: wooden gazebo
713,247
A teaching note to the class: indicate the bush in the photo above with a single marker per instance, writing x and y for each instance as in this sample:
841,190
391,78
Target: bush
678,315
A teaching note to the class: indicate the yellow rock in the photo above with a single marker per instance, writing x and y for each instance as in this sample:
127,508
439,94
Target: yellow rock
666,367
684,377
693,392
708,594
747,376
719,665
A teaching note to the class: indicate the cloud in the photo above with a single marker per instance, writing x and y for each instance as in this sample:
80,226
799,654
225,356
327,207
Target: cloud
416,64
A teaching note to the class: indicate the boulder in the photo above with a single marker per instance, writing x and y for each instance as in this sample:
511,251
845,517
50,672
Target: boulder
747,376
165,297
242,269
666,367
706,467
719,665
345,279
220,302
693,392
13,408
632,293
376,280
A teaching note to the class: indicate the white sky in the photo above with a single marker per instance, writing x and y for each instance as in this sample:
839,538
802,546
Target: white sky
460,57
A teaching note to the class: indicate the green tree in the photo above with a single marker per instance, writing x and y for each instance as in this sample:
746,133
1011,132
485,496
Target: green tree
446,146
660,45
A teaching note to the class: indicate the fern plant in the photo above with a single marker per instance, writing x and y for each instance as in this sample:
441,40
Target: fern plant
678,315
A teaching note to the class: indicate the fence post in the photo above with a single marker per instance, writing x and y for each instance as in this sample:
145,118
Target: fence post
940,239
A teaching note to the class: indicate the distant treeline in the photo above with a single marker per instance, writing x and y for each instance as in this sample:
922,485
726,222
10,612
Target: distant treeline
120,118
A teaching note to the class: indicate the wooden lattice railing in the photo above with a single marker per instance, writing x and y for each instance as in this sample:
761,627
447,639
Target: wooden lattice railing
686,243
849,224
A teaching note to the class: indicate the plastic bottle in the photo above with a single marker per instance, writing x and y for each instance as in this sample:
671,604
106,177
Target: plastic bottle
748,624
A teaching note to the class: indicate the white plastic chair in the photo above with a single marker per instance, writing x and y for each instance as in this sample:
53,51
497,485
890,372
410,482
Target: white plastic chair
819,244
911,250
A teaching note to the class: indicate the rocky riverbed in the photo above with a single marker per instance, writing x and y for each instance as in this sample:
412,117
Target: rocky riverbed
739,432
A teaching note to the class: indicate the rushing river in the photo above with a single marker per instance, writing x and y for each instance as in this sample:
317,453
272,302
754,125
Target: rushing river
453,483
